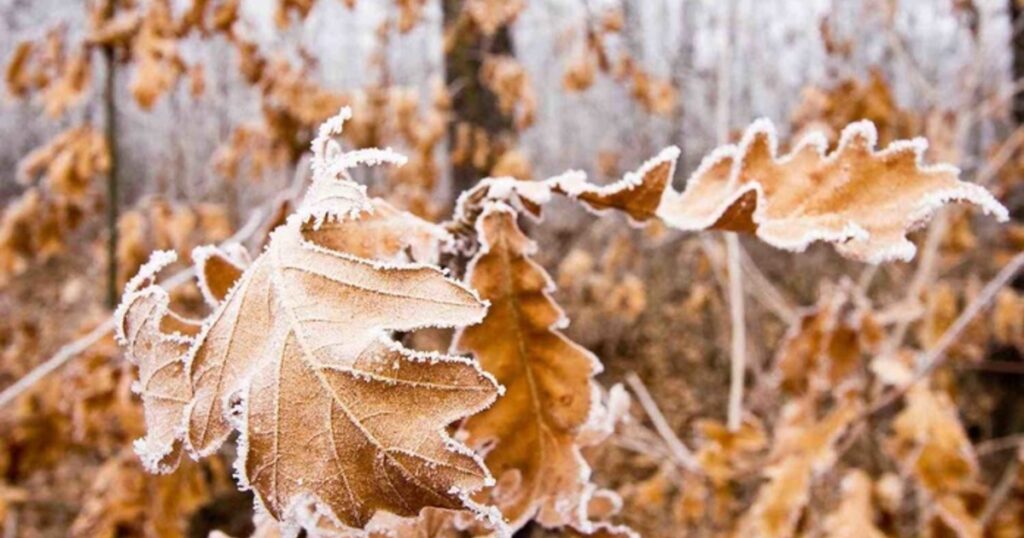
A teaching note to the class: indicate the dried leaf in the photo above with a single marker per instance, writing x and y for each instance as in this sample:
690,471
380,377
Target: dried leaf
530,434
336,419
930,441
156,340
828,343
218,270
124,500
854,518
804,448
862,200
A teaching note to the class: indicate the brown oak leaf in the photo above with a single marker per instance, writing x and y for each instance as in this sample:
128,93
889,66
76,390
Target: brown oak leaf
862,200
530,434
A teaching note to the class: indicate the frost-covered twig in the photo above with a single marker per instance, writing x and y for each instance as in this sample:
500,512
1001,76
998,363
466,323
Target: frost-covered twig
63,355
683,456
1006,150
923,277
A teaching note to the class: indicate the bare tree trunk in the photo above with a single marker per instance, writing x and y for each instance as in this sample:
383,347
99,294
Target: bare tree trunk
474,106
113,194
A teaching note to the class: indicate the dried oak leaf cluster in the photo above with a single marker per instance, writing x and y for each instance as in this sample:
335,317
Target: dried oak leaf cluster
342,427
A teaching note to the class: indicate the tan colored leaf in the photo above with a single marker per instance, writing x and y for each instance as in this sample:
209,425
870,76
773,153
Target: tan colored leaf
337,420
218,270
638,194
379,232
124,500
862,200
929,439
530,434
804,448
854,518
156,340
828,343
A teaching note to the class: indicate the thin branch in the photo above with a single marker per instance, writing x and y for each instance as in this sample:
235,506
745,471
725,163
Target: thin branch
1003,489
11,523
113,180
63,355
77,347
1006,150
683,456
999,444
739,333
766,292
738,356
923,276
936,356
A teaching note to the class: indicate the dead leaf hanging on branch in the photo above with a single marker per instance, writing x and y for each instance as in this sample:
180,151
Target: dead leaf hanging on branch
862,200
530,435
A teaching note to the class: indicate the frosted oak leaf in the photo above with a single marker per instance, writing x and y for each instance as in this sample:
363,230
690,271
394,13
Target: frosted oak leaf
156,340
862,200
337,421
530,435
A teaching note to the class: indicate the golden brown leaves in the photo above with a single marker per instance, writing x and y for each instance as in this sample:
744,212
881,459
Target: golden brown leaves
862,200
336,418
804,448
855,516
47,67
530,435
69,162
33,229
828,343
124,499
931,442
508,80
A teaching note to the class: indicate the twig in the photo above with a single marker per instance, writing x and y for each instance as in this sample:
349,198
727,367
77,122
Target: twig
737,318
769,295
75,348
1003,488
110,132
683,456
739,333
11,523
923,275
935,356
996,163
58,359
999,444
1001,367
